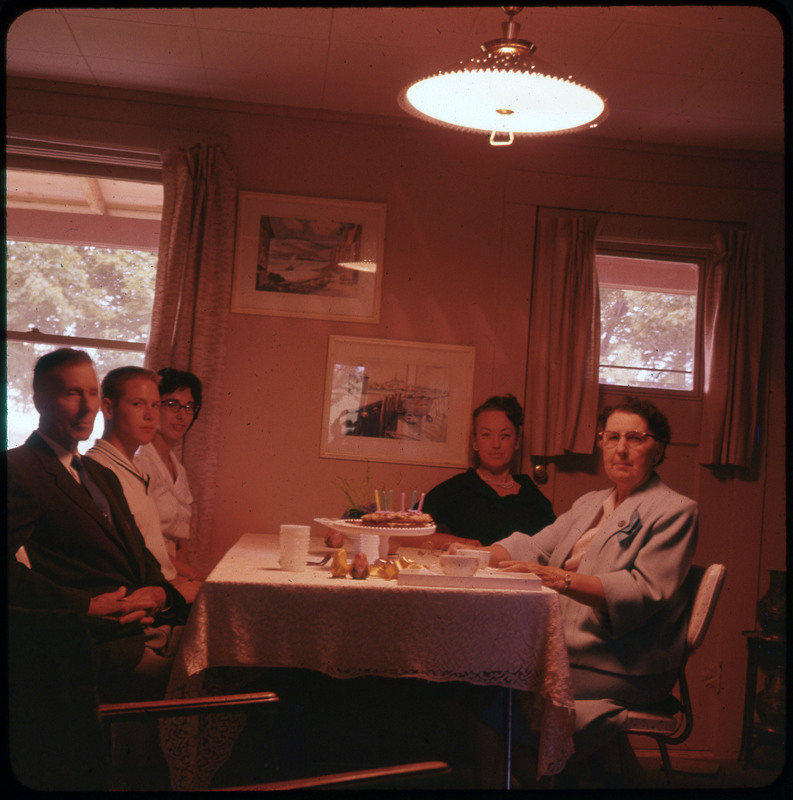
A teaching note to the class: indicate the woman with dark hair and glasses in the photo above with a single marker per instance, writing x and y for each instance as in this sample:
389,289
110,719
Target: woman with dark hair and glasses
180,403
618,558
489,501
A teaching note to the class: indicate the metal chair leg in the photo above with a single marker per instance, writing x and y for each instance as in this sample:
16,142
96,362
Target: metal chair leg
667,763
508,740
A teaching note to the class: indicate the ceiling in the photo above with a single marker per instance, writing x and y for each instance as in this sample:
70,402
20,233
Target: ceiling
681,76
76,194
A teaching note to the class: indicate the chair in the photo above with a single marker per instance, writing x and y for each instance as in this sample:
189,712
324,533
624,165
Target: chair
423,775
671,721
57,727
56,739
420,775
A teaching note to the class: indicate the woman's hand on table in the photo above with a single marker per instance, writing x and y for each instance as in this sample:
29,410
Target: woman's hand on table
552,577
586,589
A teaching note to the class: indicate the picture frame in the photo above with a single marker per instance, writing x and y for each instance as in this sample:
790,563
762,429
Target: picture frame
308,257
397,401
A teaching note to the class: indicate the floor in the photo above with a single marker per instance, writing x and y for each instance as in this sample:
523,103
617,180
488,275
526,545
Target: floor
688,774
250,764
725,775
692,774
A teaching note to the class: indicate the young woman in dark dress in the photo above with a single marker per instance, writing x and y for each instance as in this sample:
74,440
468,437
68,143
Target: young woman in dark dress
488,501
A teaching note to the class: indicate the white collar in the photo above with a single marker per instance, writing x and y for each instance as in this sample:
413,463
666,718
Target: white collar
112,453
61,453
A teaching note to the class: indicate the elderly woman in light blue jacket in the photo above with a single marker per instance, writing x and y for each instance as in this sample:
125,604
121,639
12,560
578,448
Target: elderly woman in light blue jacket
618,558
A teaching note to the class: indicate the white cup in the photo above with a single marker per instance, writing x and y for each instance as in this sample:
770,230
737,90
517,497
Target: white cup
293,541
482,555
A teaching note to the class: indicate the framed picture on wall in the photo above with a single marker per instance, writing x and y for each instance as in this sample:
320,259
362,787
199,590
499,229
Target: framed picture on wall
308,257
394,401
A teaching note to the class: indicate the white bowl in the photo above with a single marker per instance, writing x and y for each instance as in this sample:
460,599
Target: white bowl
459,565
482,555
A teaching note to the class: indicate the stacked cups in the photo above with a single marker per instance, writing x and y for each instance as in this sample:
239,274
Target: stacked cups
294,547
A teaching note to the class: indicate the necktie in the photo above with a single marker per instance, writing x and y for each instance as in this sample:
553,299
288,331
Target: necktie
89,483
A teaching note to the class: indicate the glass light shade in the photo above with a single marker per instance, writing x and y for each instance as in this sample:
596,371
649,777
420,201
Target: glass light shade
506,90
538,104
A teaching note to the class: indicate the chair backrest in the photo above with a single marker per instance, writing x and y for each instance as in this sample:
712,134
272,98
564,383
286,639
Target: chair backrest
705,584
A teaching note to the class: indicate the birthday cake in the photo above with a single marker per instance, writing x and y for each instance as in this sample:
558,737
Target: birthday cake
397,519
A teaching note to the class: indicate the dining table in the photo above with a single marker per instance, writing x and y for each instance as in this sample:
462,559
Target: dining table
251,613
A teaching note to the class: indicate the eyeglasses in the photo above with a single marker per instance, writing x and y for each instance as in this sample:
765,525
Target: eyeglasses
176,407
633,439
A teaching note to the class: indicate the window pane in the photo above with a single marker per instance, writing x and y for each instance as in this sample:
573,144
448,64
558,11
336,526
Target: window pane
648,313
22,417
74,290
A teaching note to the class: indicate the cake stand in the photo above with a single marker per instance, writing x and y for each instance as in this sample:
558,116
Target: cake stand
373,541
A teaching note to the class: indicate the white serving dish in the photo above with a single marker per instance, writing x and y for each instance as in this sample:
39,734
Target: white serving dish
520,581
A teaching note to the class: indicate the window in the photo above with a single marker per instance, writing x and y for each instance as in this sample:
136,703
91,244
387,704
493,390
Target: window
649,317
81,268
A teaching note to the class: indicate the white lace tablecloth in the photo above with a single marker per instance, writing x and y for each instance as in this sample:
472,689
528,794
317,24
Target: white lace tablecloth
251,613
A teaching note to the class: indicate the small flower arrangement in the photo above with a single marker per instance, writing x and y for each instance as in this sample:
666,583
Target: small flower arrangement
357,494
356,512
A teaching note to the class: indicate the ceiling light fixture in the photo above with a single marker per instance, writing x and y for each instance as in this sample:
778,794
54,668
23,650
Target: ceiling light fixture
507,91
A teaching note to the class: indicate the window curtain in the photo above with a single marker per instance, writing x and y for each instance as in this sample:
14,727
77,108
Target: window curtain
564,338
733,326
191,306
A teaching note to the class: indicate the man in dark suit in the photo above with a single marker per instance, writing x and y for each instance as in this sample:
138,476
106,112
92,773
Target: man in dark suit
69,520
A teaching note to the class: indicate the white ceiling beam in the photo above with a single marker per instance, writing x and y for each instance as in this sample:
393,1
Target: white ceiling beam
93,194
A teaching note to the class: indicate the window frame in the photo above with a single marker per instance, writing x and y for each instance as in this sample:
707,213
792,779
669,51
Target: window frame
45,155
91,161
667,251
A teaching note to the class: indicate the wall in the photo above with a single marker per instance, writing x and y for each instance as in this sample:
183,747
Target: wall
457,270
742,521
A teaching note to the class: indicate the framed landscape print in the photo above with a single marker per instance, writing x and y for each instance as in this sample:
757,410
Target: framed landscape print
395,401
308,257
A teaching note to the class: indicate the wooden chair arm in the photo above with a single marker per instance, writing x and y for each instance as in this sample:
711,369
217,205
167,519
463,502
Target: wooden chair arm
381,777
186,706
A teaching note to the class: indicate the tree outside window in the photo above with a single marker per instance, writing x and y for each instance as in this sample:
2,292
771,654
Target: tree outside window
648,317
101,298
